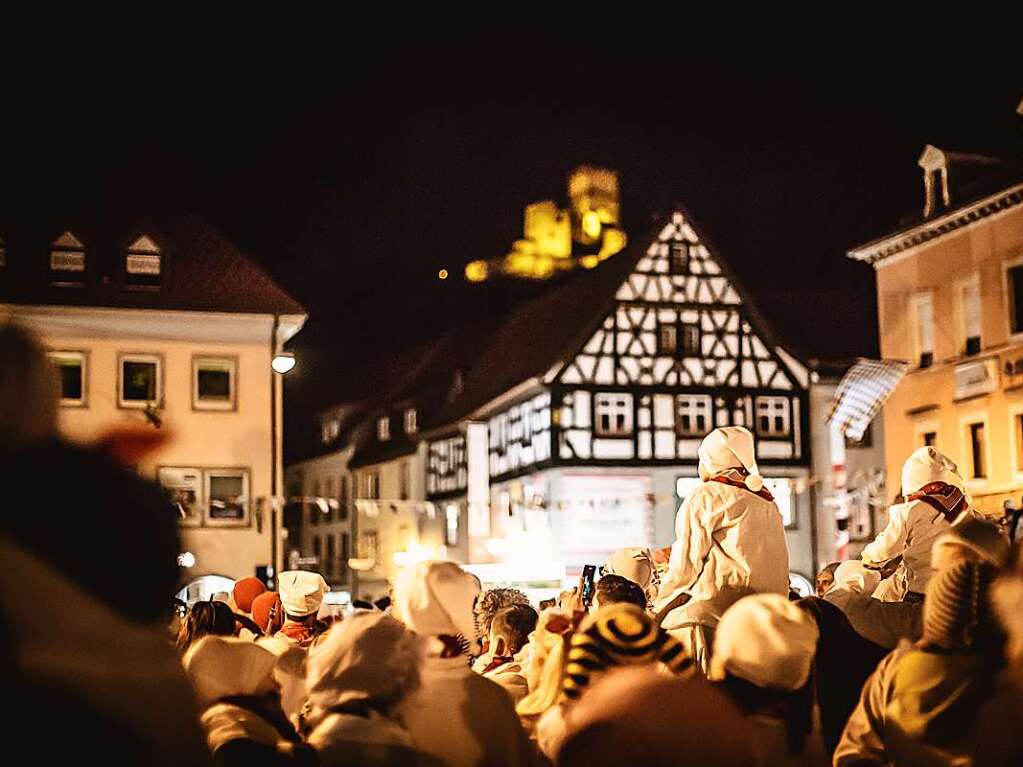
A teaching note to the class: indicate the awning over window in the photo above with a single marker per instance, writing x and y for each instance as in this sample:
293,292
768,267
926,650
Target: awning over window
862,392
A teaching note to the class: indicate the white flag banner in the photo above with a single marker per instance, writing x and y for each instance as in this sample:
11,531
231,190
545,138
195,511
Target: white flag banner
861,393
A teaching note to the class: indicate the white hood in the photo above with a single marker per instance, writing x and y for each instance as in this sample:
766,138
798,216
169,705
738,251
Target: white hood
434,598
731,447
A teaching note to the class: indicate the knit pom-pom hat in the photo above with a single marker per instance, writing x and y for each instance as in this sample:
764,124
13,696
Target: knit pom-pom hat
958,611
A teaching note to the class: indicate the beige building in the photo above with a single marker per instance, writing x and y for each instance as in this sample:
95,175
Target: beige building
166,325
950,302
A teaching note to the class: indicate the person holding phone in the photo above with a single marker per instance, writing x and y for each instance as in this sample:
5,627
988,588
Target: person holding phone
730,542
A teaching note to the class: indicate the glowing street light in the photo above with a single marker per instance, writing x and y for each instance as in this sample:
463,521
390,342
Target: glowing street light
284,362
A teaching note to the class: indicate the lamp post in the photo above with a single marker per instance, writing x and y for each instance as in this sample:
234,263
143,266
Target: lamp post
281,363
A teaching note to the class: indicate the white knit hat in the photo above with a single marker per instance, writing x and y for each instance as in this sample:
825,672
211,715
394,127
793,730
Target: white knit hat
926,465
635,563
767,640
434,598
301,592
731,447
856,577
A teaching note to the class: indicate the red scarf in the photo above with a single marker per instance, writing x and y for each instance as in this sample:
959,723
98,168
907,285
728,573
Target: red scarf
497,662
298,632
737,478
948,500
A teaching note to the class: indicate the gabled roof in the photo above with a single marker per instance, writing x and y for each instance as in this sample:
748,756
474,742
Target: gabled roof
554,327
202,270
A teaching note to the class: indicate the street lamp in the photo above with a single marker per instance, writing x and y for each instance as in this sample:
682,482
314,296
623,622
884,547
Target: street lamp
283,362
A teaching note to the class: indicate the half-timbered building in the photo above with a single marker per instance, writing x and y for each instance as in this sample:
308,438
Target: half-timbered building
577,428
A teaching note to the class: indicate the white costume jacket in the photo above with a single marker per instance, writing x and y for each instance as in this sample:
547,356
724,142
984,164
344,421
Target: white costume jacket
730,542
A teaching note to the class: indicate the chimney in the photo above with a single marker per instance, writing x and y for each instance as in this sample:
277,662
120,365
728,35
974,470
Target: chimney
934,163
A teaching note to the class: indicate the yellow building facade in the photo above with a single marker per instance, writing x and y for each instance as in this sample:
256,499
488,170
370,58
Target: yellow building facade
950,302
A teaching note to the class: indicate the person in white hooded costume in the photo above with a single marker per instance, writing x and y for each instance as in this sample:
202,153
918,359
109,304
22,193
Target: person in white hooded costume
357,678
935,495
730,542
456,715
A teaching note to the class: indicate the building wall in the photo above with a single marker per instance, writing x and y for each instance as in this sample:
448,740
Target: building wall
200,439
925,399
410,528
323,476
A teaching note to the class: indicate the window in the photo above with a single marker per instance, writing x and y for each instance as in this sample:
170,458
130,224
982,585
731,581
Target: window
213,383
613,415
72,372
679,258
67,260
314,508
923,324
330,428
331,554
3,255
342,498
371,485
369,546
227,497
1018,429
404,480
930,439
343,563
969,316
331,495
693,415
978,466
451,525
1015,285
690,340
140,383
667,338
410,421
143,265
773,416
318,549
384,429
783,491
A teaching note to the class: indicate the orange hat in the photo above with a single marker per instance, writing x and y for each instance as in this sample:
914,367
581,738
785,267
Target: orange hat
245,590
261,608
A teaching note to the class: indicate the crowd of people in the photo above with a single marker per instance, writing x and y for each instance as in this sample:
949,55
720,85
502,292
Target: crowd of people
911,654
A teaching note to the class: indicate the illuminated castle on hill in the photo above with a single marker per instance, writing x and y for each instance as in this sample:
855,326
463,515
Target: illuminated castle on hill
556,240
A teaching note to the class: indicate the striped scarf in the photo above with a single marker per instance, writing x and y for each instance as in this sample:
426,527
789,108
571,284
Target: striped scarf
619,634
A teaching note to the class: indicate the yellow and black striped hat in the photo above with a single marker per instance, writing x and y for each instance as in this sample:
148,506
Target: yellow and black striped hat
619,634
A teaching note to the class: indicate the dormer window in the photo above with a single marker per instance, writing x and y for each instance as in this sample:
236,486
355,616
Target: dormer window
329,430
384,429
410,421
67,261
143,267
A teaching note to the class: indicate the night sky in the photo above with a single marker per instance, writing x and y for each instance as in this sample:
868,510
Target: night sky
353,183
